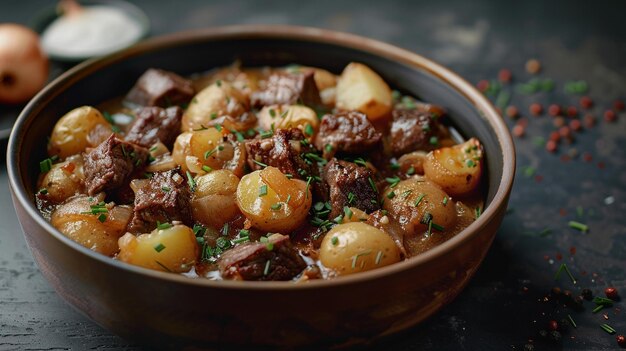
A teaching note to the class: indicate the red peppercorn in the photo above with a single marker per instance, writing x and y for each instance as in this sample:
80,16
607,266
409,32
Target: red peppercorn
575,125
553,325
551,146
512,111
483,85
533,66
572,111
555,136
590,120
505,75
519,130
619,105
536,109
559,122
586,102
554,110
609,116
621,341
587,157
611,293
565,132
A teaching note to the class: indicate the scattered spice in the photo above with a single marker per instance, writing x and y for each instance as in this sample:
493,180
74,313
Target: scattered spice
519,130
589,120
505,75
611,293
586,102
618,105
610,116
572,111
512,111
533,66
575,125
482,85
551,146
554,110
621,341
558,122
536,109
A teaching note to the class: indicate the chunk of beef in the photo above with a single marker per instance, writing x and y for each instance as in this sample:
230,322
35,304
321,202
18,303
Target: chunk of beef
288,89
344,178
153,124
109,165
285,150
161,88
249,261
347,132
165,198
411,129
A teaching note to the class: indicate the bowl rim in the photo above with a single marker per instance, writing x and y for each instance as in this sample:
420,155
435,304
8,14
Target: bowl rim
307,34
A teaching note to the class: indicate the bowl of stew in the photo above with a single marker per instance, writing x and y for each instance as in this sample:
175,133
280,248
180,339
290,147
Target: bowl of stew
267,186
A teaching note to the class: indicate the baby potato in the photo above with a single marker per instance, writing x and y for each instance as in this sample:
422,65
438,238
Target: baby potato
456,169
201,151
353,214
216,100
413,160
213,203
77,220
289,116
71,133
357,247
64,179
360,88
174,249
273,202
416,201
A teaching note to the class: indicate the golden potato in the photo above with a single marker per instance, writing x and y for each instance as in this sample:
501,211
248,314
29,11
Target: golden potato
64,179
456,169
412,163
174,249
289,116
91,223
213,203
273,202
415,202
202,151
216,100
353,214
357,247
359,88
71,132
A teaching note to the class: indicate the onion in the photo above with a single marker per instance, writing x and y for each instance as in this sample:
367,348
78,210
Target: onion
23,65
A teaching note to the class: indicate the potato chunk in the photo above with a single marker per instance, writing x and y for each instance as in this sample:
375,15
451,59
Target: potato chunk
272,201
289,116
213,203
174,249
71,134
217,100
360,88
357,247
456,169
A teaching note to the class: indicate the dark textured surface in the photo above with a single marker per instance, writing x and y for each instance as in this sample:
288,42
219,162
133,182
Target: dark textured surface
504,305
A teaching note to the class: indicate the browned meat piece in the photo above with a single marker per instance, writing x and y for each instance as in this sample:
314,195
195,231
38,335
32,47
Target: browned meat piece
164,199
275,260
347,132
411,130
153,124
345,178
285,151
160,88
288,89
109,165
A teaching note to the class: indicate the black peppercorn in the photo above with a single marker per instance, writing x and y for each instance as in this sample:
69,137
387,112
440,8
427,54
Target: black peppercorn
587,294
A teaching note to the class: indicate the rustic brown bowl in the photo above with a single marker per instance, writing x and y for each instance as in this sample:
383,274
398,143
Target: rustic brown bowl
171,311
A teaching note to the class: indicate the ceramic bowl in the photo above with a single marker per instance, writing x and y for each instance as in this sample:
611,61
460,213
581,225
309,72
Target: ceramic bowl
171,311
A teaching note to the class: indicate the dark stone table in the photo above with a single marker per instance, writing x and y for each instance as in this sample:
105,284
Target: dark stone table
508,303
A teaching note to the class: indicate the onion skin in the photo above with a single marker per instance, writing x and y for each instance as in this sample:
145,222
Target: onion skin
23,64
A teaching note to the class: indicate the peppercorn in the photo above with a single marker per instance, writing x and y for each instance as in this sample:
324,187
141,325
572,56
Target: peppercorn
611,293
553,325
505,75
587,294
565,132
554,110
551,146
586,102
558,122
621,341
590,120
519,130
482,85
555,136
572,111
619,105
533,66
512,111
609,116
575,125
536,109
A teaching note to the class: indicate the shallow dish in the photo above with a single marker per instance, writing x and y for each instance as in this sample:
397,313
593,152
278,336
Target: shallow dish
171,311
